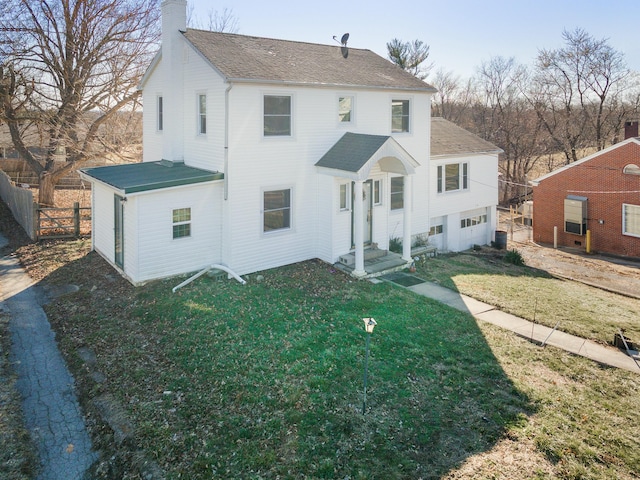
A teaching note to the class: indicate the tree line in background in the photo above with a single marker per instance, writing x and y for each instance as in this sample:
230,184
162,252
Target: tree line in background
572,101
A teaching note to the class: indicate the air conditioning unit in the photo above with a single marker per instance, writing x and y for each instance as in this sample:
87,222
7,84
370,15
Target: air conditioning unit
575,215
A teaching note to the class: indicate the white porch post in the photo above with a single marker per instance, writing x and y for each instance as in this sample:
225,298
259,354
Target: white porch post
406,202
358,225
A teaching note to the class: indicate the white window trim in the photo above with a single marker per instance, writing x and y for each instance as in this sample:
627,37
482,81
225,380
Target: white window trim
293,115
199,132
184,222
411,119
624,223
441,183
352,121
279,231
347,207
380,192
397,210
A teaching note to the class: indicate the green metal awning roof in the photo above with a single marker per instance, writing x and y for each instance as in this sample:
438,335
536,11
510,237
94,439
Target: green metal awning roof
354,154
146,176
352,151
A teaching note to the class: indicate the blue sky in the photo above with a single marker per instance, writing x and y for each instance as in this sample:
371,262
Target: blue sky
461,33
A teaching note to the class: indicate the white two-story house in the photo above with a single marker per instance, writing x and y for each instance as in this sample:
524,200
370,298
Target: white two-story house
261,152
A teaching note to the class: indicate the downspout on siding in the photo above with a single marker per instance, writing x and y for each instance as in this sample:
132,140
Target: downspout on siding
226,140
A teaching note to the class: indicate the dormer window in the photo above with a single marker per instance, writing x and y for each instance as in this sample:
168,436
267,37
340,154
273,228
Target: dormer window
631,169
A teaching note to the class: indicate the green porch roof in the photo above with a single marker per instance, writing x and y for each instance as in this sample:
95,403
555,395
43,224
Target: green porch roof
146,176
352,151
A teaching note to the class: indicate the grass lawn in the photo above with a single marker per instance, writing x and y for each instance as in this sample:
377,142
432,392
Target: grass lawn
265,381
533,294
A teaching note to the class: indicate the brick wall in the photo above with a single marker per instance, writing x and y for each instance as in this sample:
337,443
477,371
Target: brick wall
601,180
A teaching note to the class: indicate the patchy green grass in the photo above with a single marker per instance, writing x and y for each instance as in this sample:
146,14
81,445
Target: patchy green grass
265,381
533,294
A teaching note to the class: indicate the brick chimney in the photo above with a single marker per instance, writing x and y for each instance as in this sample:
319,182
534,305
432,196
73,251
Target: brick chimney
630,129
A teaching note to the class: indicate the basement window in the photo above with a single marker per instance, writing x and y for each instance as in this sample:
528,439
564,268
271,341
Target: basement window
575,215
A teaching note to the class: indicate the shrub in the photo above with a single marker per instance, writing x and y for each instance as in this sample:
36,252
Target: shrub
395,244
514,257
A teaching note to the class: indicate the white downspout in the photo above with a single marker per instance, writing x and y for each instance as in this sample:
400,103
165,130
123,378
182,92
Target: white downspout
202,272
226,141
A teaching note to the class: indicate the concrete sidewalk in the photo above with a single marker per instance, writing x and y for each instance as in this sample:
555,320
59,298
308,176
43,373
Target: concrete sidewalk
51,411
606,355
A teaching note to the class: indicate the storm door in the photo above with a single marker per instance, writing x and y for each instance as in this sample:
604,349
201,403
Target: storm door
118,208
367,212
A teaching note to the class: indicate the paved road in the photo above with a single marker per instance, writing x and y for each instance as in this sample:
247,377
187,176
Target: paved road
51,410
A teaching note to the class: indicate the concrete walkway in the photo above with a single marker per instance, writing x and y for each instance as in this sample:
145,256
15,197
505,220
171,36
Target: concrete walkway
606,355
50,407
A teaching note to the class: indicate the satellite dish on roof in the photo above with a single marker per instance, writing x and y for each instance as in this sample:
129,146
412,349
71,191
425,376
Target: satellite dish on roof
343,42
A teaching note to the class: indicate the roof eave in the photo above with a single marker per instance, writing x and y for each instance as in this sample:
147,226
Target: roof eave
426,89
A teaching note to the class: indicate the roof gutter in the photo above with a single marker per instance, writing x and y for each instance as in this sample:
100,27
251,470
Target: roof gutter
426,89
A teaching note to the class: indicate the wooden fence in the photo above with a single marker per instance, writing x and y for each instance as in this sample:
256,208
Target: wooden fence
20,202
62,222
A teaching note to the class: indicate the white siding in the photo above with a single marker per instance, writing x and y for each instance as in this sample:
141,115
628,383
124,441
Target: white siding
257,163
103,221
481,196
152,139
158,253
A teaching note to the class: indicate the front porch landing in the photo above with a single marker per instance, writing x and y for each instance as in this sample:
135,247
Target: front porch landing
374,265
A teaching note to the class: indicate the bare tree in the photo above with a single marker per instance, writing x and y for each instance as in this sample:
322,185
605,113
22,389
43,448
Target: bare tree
504,117
67,68
454,97
216,21
410,56
576,90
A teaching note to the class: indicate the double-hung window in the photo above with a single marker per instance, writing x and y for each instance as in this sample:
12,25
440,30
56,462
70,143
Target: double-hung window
160,120
181,222
202,114
276,210
397,193
399,116
631,220
453,177
277,115
345,110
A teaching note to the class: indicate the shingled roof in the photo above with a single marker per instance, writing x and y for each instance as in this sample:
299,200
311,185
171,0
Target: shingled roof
246,58
449,139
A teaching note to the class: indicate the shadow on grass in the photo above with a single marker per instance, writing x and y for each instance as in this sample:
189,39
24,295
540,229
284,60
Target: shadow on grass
265,380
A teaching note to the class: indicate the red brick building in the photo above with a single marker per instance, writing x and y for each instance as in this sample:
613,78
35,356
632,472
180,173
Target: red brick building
600,193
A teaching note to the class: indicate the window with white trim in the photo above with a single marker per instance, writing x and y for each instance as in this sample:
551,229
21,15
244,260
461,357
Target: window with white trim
160,112
377,192
277,115
181,222
631,220
436,230
276,210
453,177
345,109
473,220
202,114
399,116
397,193
345,196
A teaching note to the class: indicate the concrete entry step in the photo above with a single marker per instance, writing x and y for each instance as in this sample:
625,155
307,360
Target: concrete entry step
369,254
